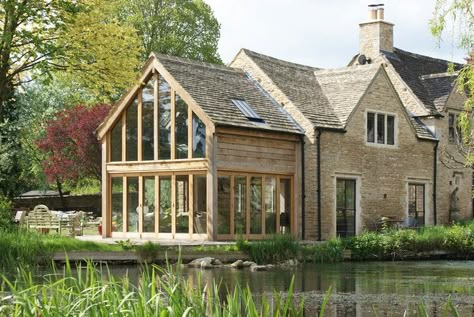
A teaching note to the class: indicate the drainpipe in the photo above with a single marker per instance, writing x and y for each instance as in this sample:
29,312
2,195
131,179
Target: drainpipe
435,175
303,191
318,144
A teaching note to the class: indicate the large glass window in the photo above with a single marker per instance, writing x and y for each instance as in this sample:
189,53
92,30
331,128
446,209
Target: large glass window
165,204
189,133
200,204
199,138
148,106
240,205
117,204
223,205
133,208
164,113
181,128
132,129
116,142
255,205
149,204
182,204
380,128
270,205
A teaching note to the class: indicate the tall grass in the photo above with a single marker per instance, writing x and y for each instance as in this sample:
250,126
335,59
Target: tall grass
29,248
93,292
278,249
20,247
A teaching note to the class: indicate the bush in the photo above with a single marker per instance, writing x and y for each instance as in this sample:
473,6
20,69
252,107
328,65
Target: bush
278,249
6,222
368,245
327,252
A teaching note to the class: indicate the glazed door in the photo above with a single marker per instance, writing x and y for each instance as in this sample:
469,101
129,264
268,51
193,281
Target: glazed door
345,207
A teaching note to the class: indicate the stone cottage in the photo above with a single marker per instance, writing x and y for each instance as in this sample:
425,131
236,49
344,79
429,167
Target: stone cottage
267,146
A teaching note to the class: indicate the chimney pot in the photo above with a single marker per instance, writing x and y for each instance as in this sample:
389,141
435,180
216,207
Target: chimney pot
380,13
372,14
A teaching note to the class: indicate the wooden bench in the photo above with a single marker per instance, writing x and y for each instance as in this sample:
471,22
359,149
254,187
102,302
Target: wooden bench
46,220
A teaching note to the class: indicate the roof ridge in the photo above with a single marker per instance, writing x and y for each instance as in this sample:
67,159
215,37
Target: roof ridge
434,59
281,61
344,69
439,75
198,63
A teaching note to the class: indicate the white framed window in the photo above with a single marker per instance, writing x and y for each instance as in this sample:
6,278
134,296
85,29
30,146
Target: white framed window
381,128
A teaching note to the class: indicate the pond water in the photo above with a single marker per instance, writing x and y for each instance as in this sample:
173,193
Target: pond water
358,288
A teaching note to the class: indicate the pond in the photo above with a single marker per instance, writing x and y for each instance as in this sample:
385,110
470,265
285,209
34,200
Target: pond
358,288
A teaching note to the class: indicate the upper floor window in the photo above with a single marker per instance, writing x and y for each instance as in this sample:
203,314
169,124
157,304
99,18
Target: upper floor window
157,124
453,129
380,128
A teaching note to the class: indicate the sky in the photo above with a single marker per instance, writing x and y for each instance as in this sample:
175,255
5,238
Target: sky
322,33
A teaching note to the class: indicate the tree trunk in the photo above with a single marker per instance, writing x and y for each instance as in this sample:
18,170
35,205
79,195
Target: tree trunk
61,194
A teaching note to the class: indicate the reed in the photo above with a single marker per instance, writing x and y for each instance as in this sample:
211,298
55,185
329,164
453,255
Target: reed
93,291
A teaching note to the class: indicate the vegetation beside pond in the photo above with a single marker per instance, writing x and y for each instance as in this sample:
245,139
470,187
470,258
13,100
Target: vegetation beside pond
160,292
456,241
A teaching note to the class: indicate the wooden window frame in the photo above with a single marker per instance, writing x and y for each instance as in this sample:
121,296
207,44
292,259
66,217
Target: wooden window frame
262,235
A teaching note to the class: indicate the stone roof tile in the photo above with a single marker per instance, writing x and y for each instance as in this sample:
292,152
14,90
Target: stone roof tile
414,69
214,86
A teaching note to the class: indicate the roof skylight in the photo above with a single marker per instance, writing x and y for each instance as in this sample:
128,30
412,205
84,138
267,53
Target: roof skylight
247,110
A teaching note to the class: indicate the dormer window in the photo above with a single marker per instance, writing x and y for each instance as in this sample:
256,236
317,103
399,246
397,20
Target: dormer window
247,110
380,128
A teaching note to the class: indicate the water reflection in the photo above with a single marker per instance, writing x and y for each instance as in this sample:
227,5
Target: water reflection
357,288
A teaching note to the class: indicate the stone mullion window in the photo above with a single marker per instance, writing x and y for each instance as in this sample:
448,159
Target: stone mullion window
380,128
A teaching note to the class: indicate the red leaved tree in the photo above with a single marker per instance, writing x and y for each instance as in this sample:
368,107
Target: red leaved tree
70,144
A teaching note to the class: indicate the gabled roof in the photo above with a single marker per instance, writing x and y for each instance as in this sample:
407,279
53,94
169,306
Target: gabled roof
326,98
300,86
427,77
214,86
344,88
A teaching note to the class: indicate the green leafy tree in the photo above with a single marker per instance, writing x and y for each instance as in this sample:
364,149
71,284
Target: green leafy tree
76,37
185,28
460,15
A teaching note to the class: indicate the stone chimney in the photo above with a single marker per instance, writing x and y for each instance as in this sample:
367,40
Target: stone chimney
376,34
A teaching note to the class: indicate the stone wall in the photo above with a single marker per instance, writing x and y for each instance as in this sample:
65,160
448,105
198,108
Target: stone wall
382,173
454,180
90,203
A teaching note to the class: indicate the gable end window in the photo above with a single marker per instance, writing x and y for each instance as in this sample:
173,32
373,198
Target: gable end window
380,128
453,129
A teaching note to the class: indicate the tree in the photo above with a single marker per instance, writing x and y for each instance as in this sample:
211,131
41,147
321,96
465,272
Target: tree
185,28
70,145
76,37
460,13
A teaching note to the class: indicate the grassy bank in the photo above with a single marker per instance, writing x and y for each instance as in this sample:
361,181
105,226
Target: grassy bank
94,292
30,248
